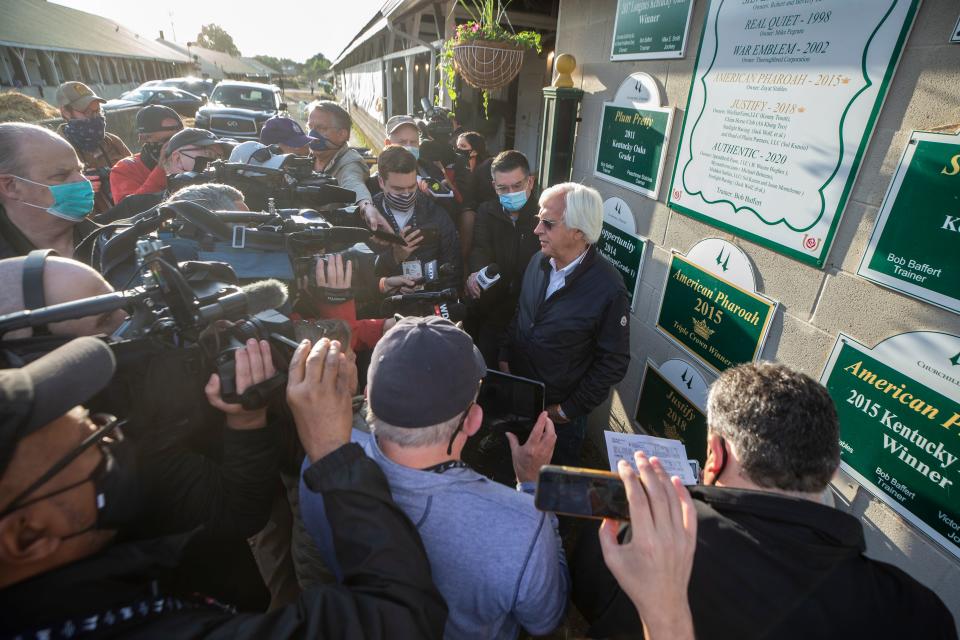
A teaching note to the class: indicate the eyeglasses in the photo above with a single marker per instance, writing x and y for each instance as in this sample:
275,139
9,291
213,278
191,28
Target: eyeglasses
106,425
548,224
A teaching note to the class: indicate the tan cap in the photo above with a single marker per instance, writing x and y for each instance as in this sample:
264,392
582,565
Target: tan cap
396,122
76,95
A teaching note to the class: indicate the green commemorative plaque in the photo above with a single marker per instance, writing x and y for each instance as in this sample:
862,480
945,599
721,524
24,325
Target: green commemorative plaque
650,29
632,146
626,252
713,319
899,411
665,410
915,245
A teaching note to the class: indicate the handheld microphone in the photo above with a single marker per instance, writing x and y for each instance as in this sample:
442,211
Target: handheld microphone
424,296
488,276
250,300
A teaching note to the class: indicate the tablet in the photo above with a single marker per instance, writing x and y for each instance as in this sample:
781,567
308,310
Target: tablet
506,396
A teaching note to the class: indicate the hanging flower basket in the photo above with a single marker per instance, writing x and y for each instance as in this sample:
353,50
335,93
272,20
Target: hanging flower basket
486,64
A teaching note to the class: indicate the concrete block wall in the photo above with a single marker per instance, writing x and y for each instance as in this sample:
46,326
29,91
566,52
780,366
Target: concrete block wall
815,304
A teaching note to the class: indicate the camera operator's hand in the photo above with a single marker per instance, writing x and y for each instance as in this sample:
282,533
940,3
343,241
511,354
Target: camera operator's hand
319,394
413,238
334,272
399,284
253,364
535,452
94,179
374,219
654,568
472,287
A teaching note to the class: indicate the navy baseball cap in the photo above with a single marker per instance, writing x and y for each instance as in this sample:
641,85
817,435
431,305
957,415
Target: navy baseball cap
282,130
423,371
40,392
150,119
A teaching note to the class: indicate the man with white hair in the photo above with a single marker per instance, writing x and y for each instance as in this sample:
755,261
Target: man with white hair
572,326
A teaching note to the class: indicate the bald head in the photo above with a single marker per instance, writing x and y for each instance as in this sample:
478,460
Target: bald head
63,281
17,136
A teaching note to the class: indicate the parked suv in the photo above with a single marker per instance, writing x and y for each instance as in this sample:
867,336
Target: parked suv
239,109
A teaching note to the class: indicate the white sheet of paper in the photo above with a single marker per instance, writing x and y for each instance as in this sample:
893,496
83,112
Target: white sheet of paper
672,453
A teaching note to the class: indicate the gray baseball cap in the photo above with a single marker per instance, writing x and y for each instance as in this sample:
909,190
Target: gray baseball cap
396,122
423,371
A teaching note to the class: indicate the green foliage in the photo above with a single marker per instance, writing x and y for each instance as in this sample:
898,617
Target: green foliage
213,36
485,21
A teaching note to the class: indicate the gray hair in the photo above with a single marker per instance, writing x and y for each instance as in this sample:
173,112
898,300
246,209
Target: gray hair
212,195
583,208
341,118
12,137
781,423
414,437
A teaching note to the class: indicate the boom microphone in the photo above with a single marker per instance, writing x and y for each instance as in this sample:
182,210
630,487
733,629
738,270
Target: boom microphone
68,310
250,300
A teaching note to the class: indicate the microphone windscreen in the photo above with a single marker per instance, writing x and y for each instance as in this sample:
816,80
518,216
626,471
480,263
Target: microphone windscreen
492,270
265,294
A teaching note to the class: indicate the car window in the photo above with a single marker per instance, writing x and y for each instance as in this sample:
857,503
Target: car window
136,95
244,97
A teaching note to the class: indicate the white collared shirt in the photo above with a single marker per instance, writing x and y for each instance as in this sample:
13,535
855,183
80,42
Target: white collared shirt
558,278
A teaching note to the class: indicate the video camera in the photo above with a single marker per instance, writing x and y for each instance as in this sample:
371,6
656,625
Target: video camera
182,308
435,122
293,185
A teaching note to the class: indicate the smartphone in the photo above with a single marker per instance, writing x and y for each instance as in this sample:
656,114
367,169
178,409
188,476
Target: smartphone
503,395
582,493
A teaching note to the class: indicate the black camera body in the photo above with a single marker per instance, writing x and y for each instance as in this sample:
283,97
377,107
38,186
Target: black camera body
294,185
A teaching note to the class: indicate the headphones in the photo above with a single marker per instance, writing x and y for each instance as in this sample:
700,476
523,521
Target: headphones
33,296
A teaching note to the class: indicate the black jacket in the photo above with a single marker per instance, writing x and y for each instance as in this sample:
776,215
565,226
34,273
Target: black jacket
771,566
577,342
445,250
496,240
387,591
13,243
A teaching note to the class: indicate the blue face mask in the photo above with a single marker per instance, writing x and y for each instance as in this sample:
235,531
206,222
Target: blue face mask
513,201
86,133
414,150
72,201
322,142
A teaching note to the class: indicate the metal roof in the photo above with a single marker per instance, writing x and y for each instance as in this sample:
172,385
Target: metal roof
38,24
216,64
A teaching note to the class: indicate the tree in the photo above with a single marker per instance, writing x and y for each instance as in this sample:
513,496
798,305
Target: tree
316,65
212,36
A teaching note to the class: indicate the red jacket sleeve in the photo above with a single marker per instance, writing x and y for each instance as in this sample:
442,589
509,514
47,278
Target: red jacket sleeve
364,333
127,178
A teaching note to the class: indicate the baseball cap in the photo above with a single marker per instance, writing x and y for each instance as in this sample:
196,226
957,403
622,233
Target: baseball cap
150,119
196,138
398,121
423,371
76,95
281,130
257,155
40,392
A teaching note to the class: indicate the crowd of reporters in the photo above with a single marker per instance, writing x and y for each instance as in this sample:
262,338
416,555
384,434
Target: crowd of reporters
305,474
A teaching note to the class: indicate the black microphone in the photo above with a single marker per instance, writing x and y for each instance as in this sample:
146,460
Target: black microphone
452,311
69,310
488,276
250,300
424,296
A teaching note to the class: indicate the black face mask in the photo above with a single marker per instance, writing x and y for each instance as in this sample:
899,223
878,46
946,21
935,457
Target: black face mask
150,153
464,153
116,485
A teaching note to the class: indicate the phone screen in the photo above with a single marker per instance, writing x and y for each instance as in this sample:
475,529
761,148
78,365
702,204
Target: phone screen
585,493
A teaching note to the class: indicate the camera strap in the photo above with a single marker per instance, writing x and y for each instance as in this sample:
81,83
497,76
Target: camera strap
33,294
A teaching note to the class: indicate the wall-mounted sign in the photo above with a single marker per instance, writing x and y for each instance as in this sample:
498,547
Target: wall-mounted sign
649,29
915,246
899,411
720,320
633,138
955,38
620,245
782,104
673,404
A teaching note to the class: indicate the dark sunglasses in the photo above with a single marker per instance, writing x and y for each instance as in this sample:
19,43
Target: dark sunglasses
106,425
548,224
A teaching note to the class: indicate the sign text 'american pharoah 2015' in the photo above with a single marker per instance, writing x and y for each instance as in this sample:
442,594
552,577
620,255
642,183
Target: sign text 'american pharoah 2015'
783,100
710,306
899,411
